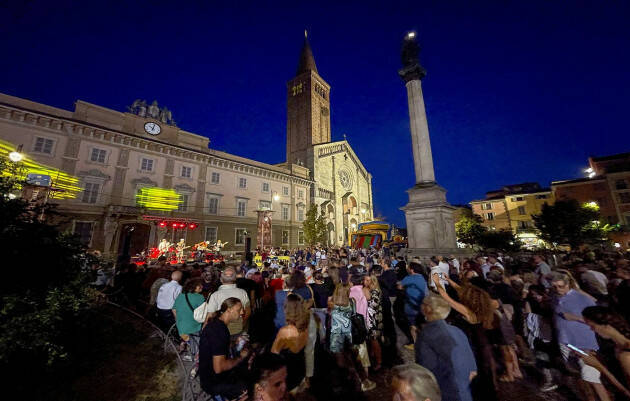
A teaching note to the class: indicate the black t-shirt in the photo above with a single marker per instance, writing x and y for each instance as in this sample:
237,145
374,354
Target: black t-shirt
246,284
387,281
214,341
321,292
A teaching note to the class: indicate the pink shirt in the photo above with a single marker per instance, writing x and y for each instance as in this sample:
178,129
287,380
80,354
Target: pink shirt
356,292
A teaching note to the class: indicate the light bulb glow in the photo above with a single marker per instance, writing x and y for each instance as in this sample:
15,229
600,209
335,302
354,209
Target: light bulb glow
15,156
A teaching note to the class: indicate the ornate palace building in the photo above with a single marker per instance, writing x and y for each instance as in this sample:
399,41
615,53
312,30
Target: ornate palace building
137,169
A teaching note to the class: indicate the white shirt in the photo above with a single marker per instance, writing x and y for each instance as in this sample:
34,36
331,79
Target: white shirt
456,264
439,269
224,292
167,294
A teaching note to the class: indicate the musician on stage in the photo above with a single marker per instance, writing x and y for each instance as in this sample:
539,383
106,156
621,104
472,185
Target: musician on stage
218,246
163,246
181,245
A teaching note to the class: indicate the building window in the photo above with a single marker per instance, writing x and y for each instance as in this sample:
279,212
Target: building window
624,197
300,194
146,165
213,205
214,178
486,206
285,237
211,235
264,205
84,229
240,236
90,193
517,199
300,237
241,205
543,196
521,210
523,224
98,155
183,206
186,171
285,212
489,216
285,191
265,187
242,183
300,214
621,184
44,145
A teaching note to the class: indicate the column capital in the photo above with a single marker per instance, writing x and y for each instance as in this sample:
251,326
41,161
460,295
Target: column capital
412,72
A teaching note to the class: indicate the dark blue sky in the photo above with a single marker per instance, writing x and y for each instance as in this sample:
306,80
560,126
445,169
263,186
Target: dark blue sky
516,90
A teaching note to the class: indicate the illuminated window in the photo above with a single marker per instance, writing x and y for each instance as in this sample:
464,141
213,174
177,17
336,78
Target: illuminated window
241,205
146,165
90,193
240,236
44,145
242,183
521,210
98,155
285,237
300,237
186,172
285,191
285,212
265,187
214,178
489,216
211,235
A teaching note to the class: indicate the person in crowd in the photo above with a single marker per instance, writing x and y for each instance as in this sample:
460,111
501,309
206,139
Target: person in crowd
322,293
493,261
610,326
359,296
540,333
166,299
568,306
415,287
292,338
218,373
341,336
445,351
484,266
477,308
184,309
268,378
227,290
375,318
542,270
412,382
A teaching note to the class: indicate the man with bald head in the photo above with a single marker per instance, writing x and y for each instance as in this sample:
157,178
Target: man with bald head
166,299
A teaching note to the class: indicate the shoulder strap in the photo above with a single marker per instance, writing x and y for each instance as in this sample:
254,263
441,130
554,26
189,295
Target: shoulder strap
188,302
353,305
312,293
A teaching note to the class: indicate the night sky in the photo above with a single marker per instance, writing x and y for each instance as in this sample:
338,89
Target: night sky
516,90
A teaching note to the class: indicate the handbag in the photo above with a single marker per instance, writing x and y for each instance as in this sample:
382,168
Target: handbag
200,312
357,325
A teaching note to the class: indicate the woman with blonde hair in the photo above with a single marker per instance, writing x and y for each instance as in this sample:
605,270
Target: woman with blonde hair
291,339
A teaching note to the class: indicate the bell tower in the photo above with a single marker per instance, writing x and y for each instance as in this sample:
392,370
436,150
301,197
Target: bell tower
308,108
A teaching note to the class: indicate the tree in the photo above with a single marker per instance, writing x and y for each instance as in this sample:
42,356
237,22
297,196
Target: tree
502,240
469,229
314,226
568,222
43,289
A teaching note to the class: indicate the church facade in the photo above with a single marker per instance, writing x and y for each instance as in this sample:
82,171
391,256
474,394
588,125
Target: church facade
119,157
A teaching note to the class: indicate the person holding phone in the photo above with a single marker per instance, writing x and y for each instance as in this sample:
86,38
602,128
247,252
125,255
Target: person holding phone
569,303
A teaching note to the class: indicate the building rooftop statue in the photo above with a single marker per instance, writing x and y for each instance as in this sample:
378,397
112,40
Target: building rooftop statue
140,108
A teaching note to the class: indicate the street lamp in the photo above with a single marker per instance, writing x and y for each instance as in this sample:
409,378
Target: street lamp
16,156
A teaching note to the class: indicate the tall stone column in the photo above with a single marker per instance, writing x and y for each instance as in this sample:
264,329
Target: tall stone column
430,223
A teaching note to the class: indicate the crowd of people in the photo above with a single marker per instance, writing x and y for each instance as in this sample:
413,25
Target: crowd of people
325,322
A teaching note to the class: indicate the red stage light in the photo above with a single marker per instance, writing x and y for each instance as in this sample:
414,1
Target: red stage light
192,226
162,224
175,225
182,225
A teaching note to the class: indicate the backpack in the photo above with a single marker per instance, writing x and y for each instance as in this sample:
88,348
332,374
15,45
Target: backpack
357,325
